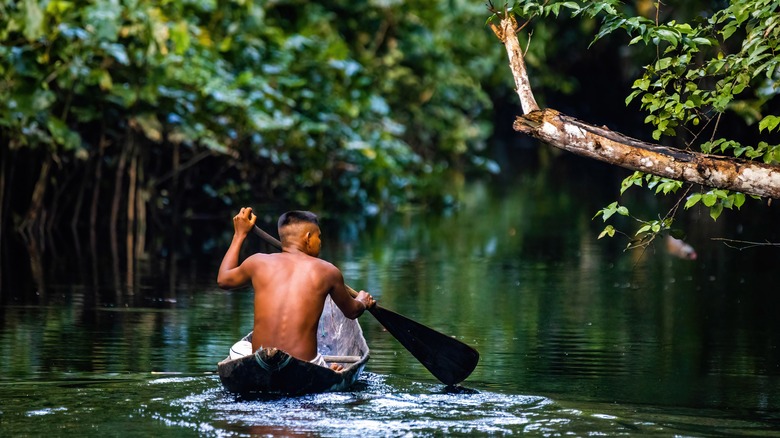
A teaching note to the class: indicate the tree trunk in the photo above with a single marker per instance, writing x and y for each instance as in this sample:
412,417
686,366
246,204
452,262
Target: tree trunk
74,220
93,208
118,183
141,221
3,159
570,134
36,210
132,191
173,236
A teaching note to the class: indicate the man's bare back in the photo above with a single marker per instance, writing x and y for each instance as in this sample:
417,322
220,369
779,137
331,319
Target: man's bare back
290,287
290,291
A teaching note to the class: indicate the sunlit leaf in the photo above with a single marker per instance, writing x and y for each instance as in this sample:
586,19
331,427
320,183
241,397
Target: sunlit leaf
643,229
150,125
692,200
769,123
33,25
739,199
609,230
180,36
709,199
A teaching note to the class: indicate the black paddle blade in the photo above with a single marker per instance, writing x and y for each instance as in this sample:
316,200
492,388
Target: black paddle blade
447,358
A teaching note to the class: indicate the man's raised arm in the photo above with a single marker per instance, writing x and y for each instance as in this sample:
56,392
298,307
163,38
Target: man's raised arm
231,274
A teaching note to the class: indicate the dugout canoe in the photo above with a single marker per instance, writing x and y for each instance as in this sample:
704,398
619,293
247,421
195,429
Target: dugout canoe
273,371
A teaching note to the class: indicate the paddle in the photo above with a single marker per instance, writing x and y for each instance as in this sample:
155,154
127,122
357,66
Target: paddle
448,359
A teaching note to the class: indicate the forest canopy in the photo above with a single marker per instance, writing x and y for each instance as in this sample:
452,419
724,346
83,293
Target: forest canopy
141,109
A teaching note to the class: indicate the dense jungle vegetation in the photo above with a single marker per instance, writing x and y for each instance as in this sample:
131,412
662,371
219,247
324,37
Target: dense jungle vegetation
135,113
136,117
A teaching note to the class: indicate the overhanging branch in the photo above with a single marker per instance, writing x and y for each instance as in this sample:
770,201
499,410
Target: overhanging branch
570,134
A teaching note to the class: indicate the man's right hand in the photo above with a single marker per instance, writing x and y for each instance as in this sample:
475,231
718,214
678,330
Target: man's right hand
230,273
244,221
366,298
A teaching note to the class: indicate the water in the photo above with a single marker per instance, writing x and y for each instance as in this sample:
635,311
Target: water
576,337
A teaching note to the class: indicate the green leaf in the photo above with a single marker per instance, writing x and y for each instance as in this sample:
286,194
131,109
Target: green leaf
62,134
181,37
634,179
607,211
709,199
106,83
117,51
693,200
669,36
716,210
739,199
728,30
769,123
663,63
609,230
643,229
33,20
631,96
150,126
571,5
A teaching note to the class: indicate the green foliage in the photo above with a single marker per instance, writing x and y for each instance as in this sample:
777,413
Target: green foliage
716,201
654,182
349,104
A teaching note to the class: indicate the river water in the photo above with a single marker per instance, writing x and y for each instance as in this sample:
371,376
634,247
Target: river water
576,336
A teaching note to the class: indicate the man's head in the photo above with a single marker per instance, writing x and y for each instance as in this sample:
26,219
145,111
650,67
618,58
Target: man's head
300,228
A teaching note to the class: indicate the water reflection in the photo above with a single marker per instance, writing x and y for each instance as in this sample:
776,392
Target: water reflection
575,335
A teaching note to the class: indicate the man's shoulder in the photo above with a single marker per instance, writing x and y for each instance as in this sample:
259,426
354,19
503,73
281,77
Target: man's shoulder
322,267
259,256
321,264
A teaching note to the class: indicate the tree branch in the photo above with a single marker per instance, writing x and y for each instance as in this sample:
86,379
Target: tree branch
506,31
570,134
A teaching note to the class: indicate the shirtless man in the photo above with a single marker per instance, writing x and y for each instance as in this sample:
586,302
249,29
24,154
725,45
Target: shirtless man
291,286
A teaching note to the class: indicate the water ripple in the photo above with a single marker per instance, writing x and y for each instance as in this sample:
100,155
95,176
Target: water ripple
383,406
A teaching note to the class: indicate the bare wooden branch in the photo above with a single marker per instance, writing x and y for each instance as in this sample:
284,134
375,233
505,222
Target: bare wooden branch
570,134
506,31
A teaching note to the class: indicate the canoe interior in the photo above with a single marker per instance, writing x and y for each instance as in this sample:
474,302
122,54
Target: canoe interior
273,371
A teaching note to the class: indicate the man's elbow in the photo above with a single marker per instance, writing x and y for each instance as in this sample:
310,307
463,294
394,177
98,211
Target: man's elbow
224,283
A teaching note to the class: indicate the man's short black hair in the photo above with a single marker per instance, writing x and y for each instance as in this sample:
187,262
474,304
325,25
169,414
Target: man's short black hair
297,216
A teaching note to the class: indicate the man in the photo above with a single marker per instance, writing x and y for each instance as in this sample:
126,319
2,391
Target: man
291,286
